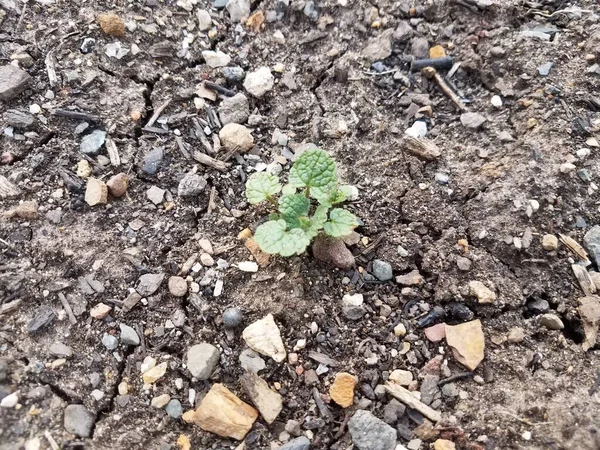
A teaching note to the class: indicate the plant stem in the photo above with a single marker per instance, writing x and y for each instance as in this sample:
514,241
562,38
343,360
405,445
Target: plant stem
271,201
307,192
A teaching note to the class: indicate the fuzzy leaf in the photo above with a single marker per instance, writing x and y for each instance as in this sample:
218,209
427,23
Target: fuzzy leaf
329,195
340,223
296,205
317,221
260,186
288,189
315,168
294,179
273,238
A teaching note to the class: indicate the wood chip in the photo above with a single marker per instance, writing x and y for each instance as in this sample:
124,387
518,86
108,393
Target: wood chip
210,162
113,152
406,397
574,246
585,281
422,148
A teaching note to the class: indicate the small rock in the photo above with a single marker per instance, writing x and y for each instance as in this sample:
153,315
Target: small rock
19,119
333,251
463,263
550,242
403,32
259,82
400,330
128,335
154,374
92,143
152,161
516,335
238,9
342,389
236,136
264,337
96,192
78,420
352,300
552,322
112,24
109,341
370,433
149,283
191,185
61,350
436,333
567,168
419,48
233,74
251,361
84,170
207,260
379,47
413,278
417,130
544,69
178,286
268,402
204,20
222,413
234,109
232,317
496,101
442,178
10,401
42,317
300,443
156,195
482,292
216,59
160,401
393,411
401,377
443,444
174,409
27,210
100,311
472,120
591,242
589,311
382,270
13,81
202,359
248,266
117,185
538,305
467,342
353,312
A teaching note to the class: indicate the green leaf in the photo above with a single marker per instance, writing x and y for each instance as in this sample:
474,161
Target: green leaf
288,189
294,179
317,221
315,168
292,222
261,186
273,238
330,195
341,223
295,205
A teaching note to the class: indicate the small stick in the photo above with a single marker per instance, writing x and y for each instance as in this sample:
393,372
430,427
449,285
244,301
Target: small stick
220,89
458,376
113,152
157,112
10,306
340,432
76,115
67,307
406,397
182,148
155,130
430,72
323,409
437,63
210,161
51,440
211,200
51,69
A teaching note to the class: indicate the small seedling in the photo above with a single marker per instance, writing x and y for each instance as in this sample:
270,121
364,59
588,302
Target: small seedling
298,220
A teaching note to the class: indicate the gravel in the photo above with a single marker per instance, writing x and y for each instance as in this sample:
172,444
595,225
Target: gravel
78,420
370,433
202,359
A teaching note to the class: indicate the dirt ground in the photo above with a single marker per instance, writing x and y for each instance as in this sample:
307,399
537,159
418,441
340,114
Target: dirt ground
477,212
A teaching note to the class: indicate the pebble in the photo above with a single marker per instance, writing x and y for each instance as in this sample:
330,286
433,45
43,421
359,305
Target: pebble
300,443
117,185
382,270
482,292
259,82
152,161
444,444
155,373
414,444
379,47
413,278
417,130
156,195
370,433
401,377
234,109
436,333
149,283
27,210
61,350
42,317
352,300
216,59
92,143
472,120
128,335
549,242
393,411
264,337
567,168
100,311
238,9
232,317
160,401
552,322
403,32
207,260
78,420
353,312
467,342
204,20
591,242
191,185
178,286
174,409
544,69
268,402
496,101
112,24
400,330
10,401
516,335
251,361
333,251
463,263
96,192
233,74
419,48
84,170
13,81
248,266
19,119
202,359
109,341
236,136
342,389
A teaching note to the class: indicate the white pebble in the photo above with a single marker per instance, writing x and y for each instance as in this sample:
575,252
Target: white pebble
218,288
497,101
248,266
567,167
10,401
35,109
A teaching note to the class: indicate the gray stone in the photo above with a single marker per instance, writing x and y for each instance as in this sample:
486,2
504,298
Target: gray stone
61,350
379,47
202,360
472,120
429,388
419,48
174,409
78,420
450,390
403,32
552,322
156,195
251,361
544,69
13,81
393,411
370,433
353,312
128,335
92,143
538,306
43,317
233,74
301,443
442,178
191,185
238,9
149,283
204,20
19,119
382,270
591,241
232,317
311,11
234,109
152,161
54,215
109,341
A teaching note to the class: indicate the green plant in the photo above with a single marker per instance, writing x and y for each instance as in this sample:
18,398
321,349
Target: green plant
298,220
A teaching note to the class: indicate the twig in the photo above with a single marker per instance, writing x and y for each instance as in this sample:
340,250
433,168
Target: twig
10,306
458,376
430,72
67,307
51,69
220,89
406,397
76,115
182,148
51,440
157,112
565,11
21,18
210,162
340,432
155,130
113,152
386,72
211,200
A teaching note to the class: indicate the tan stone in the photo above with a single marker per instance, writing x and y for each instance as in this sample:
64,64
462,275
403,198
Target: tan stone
84,170
413,278
264,337
261,257
436,333
467,342
100,311
27,210
444,444
112,24
178,286
96,192
117,185
342,389
437,52
549,242
184,443
482,292
268,402
236,136
222,413
161,401
401,377
589,310
156,373
516,335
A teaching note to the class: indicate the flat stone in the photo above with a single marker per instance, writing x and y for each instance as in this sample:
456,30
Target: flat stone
222,413
413,278
13,81
92,143
238,9
61,350
589,311
204,20
300,443
482,292
78,420
370,433
128,335
393,411
109,341
333,251
96,192
268,402
552,322
42,317
216,59
444,444
403,32
174,409
379,47
202,359
191,185
353,312
382,270
259,82
251,361
152,161
19,119
156,195
100,311
27,210
149,283
236,136
342,389
178,287
467,342
352,300
154,374
160,401
234,109
117,185
472,120
401,377
419,48
436,333
263,336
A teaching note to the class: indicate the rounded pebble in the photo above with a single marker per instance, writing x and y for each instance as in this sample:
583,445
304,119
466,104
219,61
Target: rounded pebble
232,317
